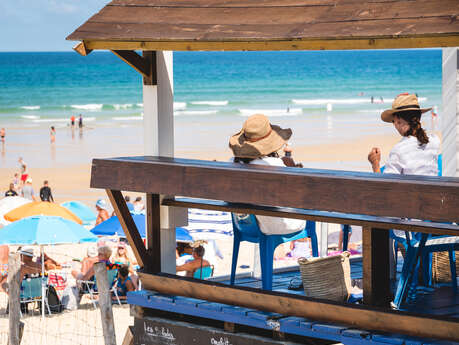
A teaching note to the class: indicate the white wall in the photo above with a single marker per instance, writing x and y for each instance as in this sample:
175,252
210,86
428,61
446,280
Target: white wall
450,115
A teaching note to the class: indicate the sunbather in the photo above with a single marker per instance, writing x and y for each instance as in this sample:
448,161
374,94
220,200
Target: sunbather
259,142
4,252
124,283
87,263
198,262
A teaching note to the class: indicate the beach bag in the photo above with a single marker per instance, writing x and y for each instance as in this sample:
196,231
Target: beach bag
327,278
55,305
441,271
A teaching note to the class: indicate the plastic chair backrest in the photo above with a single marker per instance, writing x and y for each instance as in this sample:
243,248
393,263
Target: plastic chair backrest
246,225
203,273
112,276
31,288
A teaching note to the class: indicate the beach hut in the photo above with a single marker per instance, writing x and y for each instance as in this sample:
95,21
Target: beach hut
158,27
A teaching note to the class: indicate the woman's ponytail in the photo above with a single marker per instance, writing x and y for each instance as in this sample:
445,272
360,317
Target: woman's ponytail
413,118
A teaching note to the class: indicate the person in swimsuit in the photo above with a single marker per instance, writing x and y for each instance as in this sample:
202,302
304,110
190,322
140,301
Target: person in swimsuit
72,121
52,135
4,252
80,122
124,283
102,213
198,262
2,135
24,173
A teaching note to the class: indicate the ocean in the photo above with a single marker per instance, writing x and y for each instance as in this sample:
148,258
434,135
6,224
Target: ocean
324,95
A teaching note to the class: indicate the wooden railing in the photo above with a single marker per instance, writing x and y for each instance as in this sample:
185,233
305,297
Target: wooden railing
376,202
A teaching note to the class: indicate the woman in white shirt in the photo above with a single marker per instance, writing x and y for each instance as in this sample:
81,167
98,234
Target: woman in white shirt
416,153
258,142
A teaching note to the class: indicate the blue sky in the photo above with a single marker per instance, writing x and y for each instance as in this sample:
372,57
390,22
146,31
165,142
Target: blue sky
42,25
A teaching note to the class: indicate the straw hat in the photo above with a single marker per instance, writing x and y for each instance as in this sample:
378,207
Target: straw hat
258,138
403,102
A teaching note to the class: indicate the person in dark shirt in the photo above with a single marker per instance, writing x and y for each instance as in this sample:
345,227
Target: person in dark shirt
11,191
45,193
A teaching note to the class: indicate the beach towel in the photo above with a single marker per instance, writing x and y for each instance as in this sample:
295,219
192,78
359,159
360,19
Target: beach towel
206,224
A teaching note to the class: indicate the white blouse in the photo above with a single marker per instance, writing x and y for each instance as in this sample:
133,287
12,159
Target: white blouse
407,157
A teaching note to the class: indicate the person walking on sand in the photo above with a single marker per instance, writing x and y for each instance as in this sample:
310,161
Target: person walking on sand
102,213
2,135
72,121
80,122
52,135
23,168
45,192
27,191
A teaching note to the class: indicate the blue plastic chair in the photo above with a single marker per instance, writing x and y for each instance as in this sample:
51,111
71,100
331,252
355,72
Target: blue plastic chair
204,272
247,229
419,245
31,291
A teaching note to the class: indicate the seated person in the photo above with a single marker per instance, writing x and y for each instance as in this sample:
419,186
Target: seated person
122,257
124,283
29,267
87,263
103,255
183,254
50,264
300,248
259,142
198,262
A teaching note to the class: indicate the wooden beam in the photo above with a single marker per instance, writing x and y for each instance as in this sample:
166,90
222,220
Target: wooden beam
274,45
139,63
154,231
152,78
129,227
318,216
105,303
376,280
417,197
358,316
81,49
14,280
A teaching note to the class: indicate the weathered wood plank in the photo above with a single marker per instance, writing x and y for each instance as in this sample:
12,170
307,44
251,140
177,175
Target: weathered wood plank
223,3
358,316
275,15
154,231
376,282
131,31
129,227
140,64
418,197
319,216
14,290
319,44
105,303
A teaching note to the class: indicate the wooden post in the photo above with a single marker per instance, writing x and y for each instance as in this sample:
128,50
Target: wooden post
154,232
14,288
128,337
105,303
376,284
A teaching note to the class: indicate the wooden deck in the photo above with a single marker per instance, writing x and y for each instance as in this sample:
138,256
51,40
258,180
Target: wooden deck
439,302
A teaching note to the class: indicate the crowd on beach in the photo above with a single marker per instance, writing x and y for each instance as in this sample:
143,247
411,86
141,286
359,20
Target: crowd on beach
258,142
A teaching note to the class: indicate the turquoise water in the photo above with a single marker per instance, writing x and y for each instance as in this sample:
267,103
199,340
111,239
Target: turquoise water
49,87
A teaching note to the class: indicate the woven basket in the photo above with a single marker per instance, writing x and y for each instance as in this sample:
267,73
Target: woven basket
327,278
441,272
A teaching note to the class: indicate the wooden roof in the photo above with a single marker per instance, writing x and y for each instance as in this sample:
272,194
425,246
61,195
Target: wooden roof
271,24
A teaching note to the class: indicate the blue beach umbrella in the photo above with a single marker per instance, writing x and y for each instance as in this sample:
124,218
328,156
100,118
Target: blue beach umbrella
112,226
86,214
44,230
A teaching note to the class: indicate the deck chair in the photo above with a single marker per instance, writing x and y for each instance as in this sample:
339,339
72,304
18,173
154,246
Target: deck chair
419,245
90,286
204,272
247,229
31,291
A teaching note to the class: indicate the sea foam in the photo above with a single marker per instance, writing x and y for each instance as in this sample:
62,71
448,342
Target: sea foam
272,112
179,105
127,118
212,103
30,107
90,107
362,100
30,117
122,106
195,112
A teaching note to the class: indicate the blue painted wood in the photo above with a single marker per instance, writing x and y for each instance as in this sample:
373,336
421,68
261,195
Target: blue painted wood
328,328
388,338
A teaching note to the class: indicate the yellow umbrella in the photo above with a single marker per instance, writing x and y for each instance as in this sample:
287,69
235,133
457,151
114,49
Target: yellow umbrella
41,208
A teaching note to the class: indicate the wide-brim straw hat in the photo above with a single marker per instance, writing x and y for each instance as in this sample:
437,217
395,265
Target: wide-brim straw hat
401,103
258,138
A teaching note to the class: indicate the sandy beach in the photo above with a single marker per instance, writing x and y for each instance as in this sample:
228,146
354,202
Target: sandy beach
67,166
